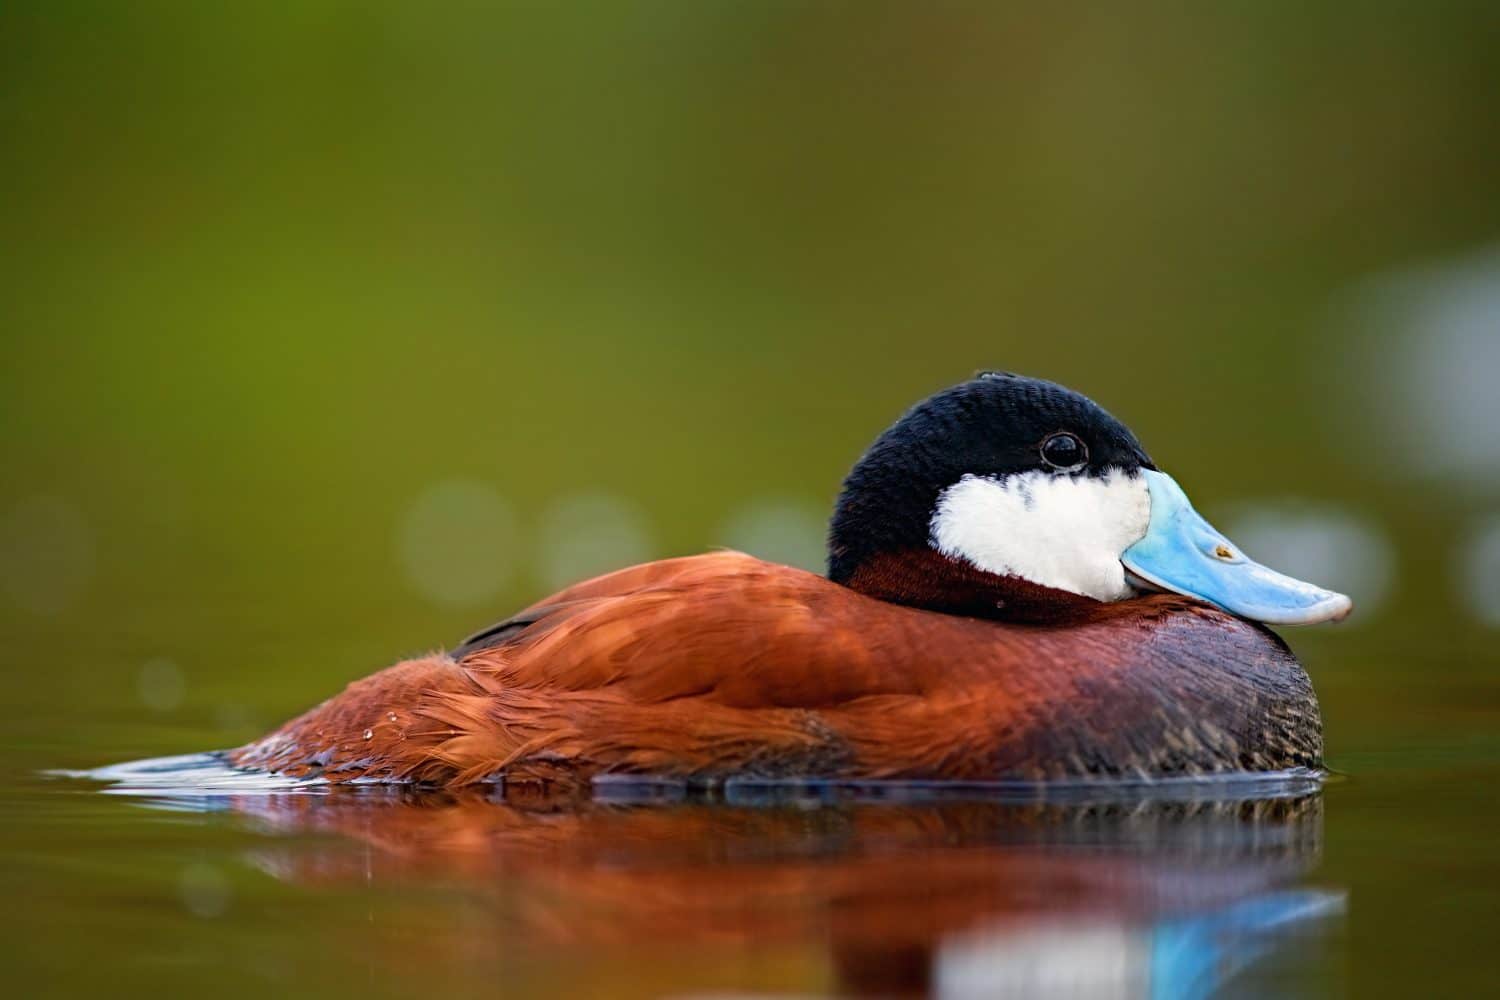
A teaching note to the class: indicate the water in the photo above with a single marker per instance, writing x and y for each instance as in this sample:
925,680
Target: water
1175,890
180,876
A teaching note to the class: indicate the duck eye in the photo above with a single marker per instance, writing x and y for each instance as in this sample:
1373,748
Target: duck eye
1064,451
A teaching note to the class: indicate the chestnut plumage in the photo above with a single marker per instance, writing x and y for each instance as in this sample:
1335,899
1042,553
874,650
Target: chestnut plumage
940,647
723,665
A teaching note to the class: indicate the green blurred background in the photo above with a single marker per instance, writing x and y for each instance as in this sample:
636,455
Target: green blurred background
333,331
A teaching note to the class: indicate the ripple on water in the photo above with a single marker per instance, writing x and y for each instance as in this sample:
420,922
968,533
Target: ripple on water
206,777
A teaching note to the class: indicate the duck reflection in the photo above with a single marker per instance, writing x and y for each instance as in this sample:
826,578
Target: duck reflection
924,893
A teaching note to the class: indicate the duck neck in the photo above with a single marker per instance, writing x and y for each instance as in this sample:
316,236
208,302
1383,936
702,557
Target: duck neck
925,578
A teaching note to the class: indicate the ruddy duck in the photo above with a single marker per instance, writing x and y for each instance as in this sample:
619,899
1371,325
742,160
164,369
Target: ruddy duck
1014,591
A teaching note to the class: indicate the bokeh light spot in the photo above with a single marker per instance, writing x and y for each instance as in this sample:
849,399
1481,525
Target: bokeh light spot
1433,344
204,890
587,534
1320,543
1479,572
161,685
779,530
46,554
457,542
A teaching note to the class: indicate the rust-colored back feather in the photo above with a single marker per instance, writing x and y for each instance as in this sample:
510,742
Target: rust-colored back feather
722,665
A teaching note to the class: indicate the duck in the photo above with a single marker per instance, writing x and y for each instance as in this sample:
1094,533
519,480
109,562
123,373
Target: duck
1015,592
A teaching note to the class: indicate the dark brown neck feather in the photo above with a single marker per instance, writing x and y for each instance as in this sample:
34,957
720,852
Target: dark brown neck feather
925,578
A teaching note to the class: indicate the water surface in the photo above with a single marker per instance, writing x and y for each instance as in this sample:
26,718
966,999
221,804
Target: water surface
198,879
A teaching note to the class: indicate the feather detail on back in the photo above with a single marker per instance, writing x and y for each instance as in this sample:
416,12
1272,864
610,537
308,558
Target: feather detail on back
721,665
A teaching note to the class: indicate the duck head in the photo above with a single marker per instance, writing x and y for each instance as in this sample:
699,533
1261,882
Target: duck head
1013,497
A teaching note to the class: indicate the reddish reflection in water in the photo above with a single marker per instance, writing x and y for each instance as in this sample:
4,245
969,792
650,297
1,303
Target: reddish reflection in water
955,898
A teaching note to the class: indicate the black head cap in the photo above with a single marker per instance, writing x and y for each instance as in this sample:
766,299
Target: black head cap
996,424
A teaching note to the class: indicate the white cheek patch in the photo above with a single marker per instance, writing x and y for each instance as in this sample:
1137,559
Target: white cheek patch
1066,532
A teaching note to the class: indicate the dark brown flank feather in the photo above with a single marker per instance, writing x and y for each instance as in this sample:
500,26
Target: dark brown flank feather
720,665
